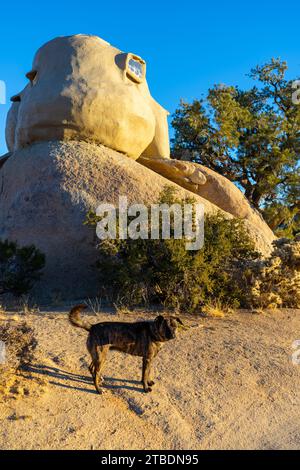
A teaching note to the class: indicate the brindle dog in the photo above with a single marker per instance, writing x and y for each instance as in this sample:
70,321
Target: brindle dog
142,338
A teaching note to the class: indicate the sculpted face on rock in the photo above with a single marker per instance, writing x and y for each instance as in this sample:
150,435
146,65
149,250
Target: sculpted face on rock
80,87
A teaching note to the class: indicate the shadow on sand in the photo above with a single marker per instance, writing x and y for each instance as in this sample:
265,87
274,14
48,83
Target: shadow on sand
63,375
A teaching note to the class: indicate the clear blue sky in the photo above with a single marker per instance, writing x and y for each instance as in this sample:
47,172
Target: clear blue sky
188,44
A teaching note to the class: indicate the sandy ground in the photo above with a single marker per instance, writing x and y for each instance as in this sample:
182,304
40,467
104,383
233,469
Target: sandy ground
228,385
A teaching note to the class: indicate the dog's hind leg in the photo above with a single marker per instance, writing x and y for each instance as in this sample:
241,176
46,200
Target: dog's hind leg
91,347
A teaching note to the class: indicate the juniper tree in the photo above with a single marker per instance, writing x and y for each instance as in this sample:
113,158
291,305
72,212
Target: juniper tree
253,138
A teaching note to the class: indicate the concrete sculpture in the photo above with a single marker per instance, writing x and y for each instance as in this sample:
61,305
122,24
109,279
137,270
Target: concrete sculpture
81,87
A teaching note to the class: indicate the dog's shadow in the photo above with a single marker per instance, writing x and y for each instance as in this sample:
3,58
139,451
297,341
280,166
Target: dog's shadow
63,375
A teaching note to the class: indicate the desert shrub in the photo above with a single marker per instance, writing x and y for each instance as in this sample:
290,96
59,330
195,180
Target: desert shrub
275,281
20,344
137,272
20,267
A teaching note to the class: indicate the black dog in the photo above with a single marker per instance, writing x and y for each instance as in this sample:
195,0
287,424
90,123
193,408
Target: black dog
142,338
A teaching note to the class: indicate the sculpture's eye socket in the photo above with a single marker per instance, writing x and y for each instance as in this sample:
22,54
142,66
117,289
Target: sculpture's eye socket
31,75
135,68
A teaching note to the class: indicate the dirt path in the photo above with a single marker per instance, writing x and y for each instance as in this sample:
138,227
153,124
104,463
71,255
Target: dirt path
230,384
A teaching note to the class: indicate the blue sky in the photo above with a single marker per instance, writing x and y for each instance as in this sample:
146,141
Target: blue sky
188,45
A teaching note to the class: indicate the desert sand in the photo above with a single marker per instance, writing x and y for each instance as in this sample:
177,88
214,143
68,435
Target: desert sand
228,383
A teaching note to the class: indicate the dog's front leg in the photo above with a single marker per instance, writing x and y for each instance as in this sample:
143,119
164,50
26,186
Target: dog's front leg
101,356
92,369
147,360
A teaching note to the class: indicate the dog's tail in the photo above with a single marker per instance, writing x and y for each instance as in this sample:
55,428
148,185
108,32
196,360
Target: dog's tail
75,320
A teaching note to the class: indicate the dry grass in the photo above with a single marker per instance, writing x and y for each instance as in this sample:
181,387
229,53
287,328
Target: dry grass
257,311
94,304
122,309
216,310
2,312
27,306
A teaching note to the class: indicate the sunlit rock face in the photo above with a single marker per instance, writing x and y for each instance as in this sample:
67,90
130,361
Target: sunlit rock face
81,87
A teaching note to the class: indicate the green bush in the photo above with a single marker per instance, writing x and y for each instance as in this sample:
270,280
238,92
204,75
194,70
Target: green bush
139,272
20,268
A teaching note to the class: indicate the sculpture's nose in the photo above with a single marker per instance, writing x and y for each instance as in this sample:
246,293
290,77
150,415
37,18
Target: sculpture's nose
15,98
31,76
